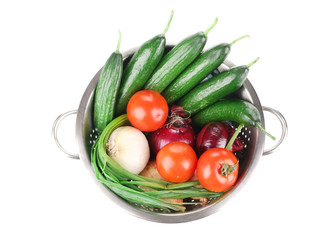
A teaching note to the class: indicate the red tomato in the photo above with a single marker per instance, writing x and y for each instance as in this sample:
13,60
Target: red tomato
147,110
217,169
176,162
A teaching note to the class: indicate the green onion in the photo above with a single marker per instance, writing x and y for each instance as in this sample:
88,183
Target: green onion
181,194
126,184
140,197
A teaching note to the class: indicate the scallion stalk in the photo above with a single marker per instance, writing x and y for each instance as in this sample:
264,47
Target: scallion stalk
126,184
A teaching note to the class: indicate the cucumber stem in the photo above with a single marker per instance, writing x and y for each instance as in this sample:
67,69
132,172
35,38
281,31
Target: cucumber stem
253,62
167,27
232,140
265,132
238,39
210,27
119,40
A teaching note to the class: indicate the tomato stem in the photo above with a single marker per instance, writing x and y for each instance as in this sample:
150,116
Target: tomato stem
167,27
233,138
211,27
226,169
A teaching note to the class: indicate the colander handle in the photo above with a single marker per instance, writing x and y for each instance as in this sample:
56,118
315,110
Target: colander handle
284,128
55,126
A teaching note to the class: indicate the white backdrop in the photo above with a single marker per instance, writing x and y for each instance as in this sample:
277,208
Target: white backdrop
49,52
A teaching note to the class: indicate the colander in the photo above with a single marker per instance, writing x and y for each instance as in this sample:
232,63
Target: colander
254,141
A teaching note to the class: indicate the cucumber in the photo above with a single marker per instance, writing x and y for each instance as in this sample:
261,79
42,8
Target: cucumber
236,110
140,67
107,89
214,89
197,71
177,59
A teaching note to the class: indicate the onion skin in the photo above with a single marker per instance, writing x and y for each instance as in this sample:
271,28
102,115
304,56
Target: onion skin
165,135
176,129
217,135
129,148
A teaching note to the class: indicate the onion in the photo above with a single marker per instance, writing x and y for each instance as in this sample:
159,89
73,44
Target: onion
217,135
176,129
129,147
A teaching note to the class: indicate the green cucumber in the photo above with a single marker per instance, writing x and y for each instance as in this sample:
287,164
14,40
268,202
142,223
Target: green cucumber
177,59
235,110
140,67
107,89
214,89
197,71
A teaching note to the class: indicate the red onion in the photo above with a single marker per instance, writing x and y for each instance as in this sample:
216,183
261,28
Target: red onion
217,135
176,129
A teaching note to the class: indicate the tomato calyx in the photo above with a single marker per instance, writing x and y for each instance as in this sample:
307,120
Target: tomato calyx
225,170
217,169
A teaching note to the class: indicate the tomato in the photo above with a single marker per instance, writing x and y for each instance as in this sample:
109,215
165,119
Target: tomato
147,110
217,169
176,162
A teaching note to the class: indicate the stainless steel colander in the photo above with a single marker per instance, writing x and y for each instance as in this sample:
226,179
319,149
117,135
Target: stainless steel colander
254,148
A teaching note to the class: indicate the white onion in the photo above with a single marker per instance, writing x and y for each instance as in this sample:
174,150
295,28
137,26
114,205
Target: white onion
129,148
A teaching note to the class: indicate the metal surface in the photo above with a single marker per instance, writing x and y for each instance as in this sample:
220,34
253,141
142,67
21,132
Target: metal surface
284,129
253,138
55,127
